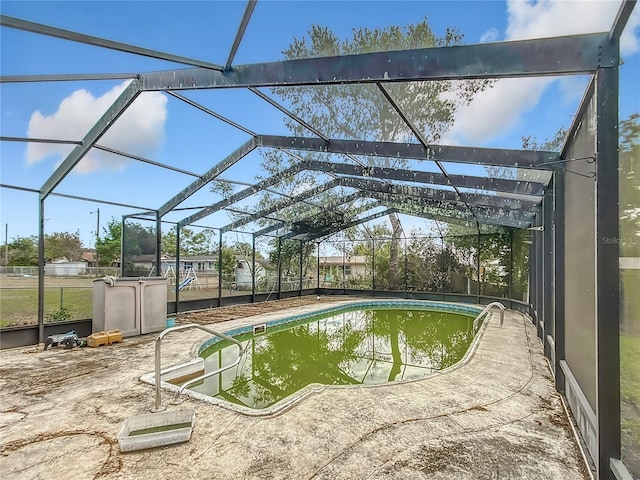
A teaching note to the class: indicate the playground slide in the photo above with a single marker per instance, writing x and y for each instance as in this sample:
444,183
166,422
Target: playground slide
183,284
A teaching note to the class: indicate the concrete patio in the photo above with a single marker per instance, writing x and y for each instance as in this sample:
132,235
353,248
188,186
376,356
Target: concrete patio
497,416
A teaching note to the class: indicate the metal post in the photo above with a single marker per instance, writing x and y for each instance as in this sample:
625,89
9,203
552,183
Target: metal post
344,247
6,244
478,264
41,271
279,268
406,285
558,297
61,297
97,237
219,268
97,212
532,280
158,243
607,272
542,327
510,286
373,264
177,270
122,240
547,272
253,269
444,266
318,268
300,270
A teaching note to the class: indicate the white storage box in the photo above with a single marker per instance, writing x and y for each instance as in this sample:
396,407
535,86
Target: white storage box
156,429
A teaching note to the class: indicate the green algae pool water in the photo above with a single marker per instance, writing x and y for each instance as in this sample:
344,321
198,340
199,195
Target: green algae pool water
352,347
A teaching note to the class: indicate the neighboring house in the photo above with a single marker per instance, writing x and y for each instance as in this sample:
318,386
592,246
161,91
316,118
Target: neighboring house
201,264
62,267
90,257
243,271
353,266
142,263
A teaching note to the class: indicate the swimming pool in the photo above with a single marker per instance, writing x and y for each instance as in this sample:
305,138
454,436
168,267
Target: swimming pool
366,343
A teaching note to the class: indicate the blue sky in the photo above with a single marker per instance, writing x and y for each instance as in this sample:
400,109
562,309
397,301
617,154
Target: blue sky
166,130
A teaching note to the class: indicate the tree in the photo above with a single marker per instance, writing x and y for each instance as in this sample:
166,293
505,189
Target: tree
108,246
362,112
23,251
630,186
63,245
229,262
191,243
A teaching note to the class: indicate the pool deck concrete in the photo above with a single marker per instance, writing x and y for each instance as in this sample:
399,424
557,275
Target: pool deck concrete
495,417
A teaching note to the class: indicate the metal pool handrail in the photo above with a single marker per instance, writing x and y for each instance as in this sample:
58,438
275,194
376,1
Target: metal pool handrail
164,333
486,309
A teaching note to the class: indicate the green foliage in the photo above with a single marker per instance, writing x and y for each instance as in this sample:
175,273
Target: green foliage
362,111
23,251
228,261
63,245
139,240
630,186
191,243
290,257
61,315
554,144
108,247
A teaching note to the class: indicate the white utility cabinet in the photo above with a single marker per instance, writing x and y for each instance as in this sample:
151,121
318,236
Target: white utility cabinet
133,305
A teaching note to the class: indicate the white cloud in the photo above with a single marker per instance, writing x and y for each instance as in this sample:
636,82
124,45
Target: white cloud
490,35
498,109
630,41
495,110
139,131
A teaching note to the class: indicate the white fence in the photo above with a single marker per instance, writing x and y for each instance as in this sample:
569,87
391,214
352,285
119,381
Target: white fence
95,272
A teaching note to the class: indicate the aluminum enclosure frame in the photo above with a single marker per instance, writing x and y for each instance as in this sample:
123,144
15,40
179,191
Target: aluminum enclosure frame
498,201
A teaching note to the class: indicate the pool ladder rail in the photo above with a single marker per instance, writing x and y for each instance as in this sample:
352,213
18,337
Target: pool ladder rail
158,380
486,310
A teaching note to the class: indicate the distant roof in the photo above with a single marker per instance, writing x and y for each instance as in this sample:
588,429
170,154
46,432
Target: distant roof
338,260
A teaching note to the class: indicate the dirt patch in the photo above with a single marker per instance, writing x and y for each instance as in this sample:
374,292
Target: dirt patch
217,315
105,458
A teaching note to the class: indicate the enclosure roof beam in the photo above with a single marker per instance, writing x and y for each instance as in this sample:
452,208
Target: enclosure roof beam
47,30
444,153
330,206
485,212
281,205
353,223
498,201
575,54
145,160
442,218
212,113
289,113
480,209
126,98
423,141
464,181
66,77
269,229
40,140
230,160
105,149
76,197
248,11
247,192
412,210
340,201
624,12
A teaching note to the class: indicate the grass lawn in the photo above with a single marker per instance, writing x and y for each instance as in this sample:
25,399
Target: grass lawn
19,306
630,370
